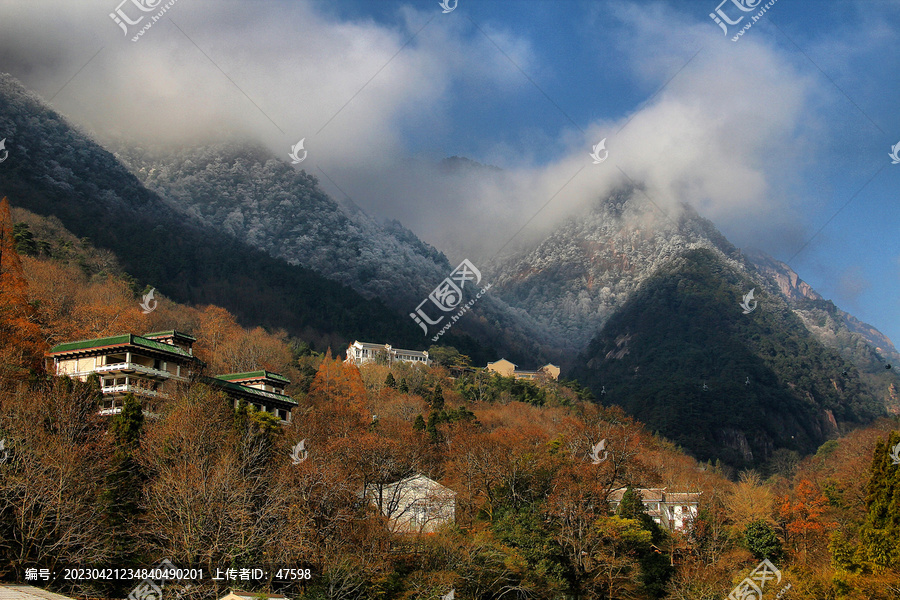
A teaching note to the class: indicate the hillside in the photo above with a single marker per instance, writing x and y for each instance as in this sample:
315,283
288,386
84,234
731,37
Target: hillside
245,192
55,170
681,356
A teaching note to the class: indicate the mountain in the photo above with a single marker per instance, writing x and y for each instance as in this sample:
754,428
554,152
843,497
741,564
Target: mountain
643,307
53,169
246,192
681,356
575,279
862,343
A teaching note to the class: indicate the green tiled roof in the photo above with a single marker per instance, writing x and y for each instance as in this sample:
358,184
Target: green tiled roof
170,332
255,374
127,338
237,387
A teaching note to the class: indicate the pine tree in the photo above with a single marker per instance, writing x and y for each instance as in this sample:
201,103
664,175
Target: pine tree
631,506
124,483
762,541
879,532
437,398
404,388
419,423
431,428
390,381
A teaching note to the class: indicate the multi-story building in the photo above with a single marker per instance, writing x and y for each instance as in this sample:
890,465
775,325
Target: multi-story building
147,366
673,510
359,353
508,369
263,390
150,366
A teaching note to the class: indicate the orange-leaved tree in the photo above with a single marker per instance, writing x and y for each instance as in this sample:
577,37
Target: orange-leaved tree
803,515
21,346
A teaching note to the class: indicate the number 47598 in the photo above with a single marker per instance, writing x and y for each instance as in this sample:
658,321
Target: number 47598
293,574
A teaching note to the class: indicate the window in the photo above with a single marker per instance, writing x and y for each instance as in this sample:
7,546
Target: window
418,512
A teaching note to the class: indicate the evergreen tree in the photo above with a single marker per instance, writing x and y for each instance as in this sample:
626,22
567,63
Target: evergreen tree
404,388
126,426
437,398
762,541
390,381
419,424
122,494
879,532
431,428
631,506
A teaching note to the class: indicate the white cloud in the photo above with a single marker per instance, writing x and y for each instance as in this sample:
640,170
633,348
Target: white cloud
718,136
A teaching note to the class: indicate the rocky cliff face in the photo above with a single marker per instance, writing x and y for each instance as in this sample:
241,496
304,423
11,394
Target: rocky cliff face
789,283
867,347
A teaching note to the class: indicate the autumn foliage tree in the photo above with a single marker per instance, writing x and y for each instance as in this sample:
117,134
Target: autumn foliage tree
20,338
803,516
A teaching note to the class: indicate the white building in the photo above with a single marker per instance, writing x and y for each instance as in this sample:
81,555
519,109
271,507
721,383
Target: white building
362,352
415,504
672,510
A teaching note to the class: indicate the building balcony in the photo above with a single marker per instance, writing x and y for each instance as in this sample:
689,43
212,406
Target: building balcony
133,389
133,367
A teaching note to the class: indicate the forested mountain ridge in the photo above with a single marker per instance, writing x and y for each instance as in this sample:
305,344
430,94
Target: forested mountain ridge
575,279
867,347
53,169
683,357
572,282
245,191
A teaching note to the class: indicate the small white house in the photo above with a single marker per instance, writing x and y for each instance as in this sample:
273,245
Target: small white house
673,510
415,504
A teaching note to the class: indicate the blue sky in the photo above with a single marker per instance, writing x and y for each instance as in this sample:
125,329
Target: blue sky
773,137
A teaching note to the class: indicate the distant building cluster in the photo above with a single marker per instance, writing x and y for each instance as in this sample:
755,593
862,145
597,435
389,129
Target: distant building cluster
149,367
508,369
